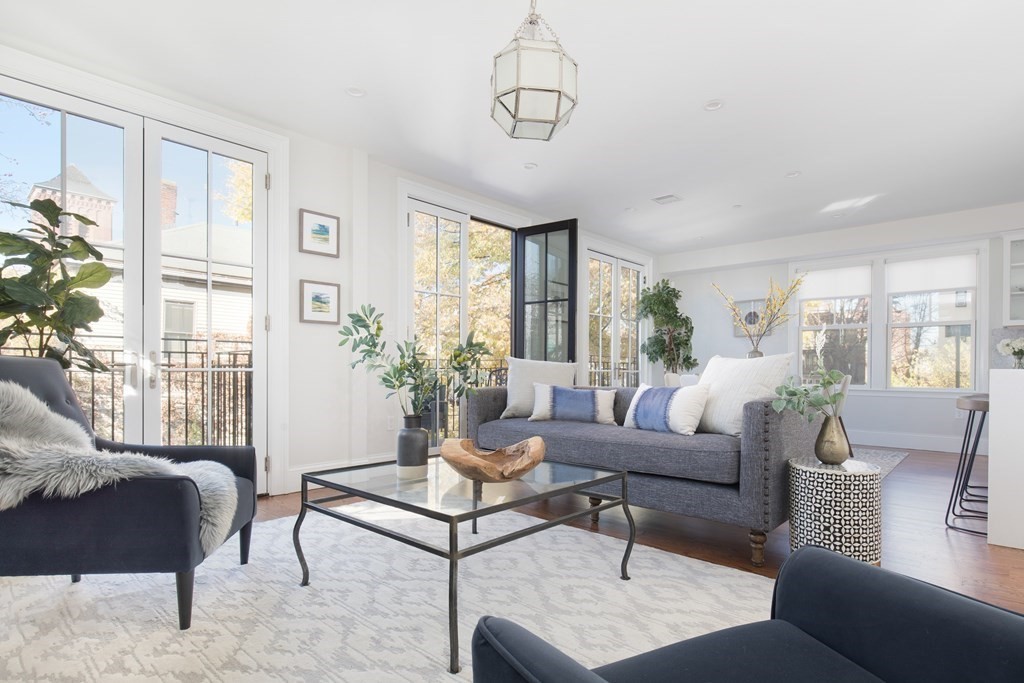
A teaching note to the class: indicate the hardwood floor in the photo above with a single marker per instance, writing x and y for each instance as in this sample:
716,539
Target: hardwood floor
915,540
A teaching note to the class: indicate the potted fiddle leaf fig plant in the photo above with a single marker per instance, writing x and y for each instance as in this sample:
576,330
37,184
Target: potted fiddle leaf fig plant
409,376
42,277
672,339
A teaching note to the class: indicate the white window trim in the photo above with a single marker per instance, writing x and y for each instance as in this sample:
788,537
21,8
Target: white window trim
878,329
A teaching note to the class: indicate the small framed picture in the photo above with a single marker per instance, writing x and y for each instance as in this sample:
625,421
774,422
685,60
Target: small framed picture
752,311
318,233
318,302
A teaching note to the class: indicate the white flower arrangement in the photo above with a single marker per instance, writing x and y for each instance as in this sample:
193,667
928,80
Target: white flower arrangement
1012,347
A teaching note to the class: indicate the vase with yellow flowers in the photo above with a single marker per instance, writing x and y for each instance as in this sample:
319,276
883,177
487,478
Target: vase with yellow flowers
775,313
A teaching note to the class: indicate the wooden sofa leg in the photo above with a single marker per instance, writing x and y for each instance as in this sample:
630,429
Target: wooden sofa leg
244,536
75,578
185,582
594,502
757,541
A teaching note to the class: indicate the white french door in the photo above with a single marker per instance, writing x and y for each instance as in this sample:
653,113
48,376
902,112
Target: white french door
613,325
204,338
182,224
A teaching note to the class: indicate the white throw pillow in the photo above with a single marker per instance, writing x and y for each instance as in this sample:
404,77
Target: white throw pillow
667,409
579,405
523,374
736,381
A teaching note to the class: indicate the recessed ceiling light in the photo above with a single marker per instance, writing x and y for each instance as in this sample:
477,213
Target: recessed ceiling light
630,209
355,92
667,199
737,206
713,105
529,165
793,174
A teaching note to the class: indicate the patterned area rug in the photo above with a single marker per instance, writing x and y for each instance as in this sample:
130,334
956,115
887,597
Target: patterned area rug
887,460
375,609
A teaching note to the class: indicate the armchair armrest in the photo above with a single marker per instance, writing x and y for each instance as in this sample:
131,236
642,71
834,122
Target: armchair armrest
898,628
506,653
769,440
144,524
484,405
239,459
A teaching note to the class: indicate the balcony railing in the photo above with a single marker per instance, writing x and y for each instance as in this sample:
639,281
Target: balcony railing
444,419
192,394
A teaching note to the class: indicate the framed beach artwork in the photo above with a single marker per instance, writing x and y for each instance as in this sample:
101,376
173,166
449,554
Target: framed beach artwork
752,311
318,233
318,302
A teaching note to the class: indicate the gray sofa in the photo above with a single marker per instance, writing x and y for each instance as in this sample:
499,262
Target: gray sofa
737,480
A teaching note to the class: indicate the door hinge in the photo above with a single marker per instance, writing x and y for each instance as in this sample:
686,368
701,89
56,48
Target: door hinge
266,323
266,463
266,181
408,219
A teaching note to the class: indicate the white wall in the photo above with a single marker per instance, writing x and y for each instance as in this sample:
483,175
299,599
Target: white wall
919,420
320,405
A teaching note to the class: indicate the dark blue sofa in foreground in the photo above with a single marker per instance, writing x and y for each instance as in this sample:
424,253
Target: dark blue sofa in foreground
834,620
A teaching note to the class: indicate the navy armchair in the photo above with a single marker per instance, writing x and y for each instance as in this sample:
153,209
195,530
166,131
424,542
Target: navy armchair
833,619
140,525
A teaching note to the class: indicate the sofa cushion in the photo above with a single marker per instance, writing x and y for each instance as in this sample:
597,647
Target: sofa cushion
521,376
713,458
667,409
733,382
566,403
763,651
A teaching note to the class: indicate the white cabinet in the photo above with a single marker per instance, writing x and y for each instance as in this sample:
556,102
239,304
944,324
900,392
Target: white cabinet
1005,464
1013,279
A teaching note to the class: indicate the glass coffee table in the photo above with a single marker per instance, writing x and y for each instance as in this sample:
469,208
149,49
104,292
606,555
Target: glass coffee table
446,496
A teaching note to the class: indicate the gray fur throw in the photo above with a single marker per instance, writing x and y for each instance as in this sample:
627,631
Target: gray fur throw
45,452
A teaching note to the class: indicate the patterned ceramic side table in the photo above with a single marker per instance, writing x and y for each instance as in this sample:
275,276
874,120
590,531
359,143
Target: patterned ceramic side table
838,507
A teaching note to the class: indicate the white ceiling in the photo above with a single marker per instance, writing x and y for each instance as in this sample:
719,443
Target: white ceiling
918,103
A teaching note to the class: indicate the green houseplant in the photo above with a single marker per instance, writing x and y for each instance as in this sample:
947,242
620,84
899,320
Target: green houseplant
42,305
671,342
825,394
410,377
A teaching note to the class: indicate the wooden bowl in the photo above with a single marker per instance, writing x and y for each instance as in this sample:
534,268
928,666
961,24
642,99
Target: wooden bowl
504,464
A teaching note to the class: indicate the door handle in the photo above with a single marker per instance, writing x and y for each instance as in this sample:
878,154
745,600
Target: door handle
133,368
154,369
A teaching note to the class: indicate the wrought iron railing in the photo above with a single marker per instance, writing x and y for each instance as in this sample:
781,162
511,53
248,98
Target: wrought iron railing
193,395
444,418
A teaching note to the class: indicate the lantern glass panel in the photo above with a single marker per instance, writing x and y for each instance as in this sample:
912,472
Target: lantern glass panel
568,77
538,104
539,69
505,71
532,130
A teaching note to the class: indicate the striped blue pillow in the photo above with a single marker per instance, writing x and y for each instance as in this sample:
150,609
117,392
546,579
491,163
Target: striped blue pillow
578,405
667,409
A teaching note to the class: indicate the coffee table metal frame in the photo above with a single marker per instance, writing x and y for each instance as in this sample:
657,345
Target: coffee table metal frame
454,553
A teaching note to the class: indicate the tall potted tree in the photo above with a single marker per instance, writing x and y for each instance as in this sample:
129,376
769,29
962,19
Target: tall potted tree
671,342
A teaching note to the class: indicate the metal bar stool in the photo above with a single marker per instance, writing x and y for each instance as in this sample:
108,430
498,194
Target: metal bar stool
965,497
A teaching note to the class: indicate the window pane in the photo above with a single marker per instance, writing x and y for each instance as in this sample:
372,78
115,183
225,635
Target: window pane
425,322
95,179
232,209
535,266
844,350
183,200
935,357
843,311
449,255
558,265
558,332
932,307
490,288
29,160
424,251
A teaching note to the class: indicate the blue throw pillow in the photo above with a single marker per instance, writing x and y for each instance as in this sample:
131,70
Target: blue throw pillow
578,405
667,409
